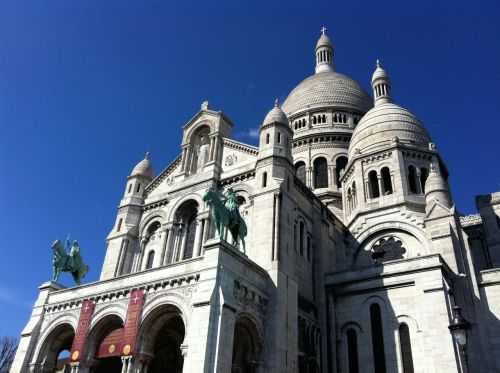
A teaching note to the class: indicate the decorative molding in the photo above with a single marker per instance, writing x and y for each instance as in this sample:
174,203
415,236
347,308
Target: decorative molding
248,297
240,146
471,220
166,172
120,294
244,176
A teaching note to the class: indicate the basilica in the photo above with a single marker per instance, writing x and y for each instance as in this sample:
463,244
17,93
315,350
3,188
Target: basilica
354,259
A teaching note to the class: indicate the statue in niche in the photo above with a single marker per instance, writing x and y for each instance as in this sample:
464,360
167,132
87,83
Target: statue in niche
202,152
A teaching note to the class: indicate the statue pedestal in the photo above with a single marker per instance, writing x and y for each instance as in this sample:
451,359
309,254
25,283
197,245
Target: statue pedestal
51,286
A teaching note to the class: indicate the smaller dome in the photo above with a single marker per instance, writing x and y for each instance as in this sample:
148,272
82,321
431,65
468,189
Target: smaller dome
385,124
143,168
275,115
379,73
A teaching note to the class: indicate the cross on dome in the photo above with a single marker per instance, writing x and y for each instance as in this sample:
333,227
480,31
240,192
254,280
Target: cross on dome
323,30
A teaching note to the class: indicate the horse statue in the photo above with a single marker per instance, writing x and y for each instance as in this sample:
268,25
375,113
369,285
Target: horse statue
226,215
64,262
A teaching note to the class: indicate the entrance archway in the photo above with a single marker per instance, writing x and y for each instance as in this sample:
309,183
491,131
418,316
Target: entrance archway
246,347
103,345
161,337
54,354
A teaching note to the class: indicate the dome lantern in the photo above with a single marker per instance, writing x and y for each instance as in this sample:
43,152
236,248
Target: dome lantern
381,85
324,53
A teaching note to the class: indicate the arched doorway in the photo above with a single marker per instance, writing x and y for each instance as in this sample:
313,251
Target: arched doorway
246,347
161,337
54,354
103,344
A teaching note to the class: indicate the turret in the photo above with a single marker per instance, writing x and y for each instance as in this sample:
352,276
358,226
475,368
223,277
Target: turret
275,135
381,85
436,189
123,238
324,53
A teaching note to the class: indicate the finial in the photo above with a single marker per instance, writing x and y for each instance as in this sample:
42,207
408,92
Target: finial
378,63
146,156
276,102
323,30
204,105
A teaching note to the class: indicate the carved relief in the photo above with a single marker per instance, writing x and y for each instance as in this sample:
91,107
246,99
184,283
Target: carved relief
230,160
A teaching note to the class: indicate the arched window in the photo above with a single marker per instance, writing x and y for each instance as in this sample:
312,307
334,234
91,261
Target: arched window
354,197
308,248
300,171
386,181
320,173
268,137
340,164
301,238
138,188
412,179
377,339
150,261
295,238
373,183
405,344
424,174
314,120
279,137
324,118
264,179
129,188
352,351
119,225
185,230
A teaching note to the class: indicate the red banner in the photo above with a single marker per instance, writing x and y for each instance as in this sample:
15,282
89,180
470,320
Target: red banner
111,344
86,313
134,311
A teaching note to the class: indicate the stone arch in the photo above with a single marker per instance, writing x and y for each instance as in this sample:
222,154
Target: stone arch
167,299
300,170
320,171
192,196
199,145
247,345
203,123
161,336
57,337
420,246
103,326
341,162
147,220
351,324
186,220
116,309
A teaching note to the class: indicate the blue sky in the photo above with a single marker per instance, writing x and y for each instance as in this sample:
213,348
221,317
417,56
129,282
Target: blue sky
86,88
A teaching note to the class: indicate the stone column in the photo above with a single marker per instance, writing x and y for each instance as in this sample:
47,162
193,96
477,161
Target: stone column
169,231
334,178
225,339
198,237
212,148
380,185
183,240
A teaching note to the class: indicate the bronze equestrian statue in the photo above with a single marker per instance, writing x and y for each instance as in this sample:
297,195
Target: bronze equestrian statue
226,215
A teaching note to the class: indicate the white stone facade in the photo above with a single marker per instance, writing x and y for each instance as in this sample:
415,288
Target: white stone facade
355,256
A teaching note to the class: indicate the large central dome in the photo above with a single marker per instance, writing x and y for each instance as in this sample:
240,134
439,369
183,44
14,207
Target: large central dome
327,89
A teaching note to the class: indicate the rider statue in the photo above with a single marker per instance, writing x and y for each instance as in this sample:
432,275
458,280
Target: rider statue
231,203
